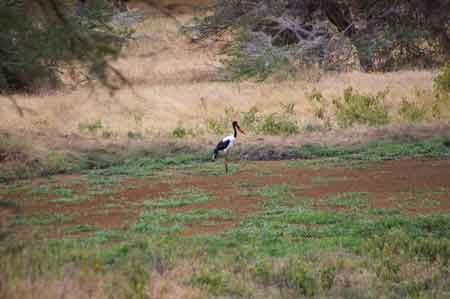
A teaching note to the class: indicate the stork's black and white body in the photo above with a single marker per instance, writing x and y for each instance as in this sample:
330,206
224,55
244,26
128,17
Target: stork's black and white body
227,143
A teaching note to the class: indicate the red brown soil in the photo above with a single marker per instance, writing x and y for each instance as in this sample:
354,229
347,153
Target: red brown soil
389,184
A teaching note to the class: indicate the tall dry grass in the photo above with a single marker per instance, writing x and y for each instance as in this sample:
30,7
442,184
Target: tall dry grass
175,83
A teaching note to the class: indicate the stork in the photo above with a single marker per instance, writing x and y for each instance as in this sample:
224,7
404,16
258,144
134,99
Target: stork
226,144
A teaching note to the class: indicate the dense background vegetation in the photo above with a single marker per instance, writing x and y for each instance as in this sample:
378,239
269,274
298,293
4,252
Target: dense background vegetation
381,35
40,40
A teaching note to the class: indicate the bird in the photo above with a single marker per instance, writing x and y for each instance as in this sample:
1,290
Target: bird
226,144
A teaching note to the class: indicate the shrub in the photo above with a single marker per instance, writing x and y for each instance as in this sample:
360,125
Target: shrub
90,127
250,119
441,107
442,82
283,123
276,124
355,108
252,56
412,111
221,125
300,277
135,135
179,132
320,110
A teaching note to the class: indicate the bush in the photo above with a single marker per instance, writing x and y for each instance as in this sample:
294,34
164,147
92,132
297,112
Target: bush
221,125
357,108
250,119
38,38
252,56
283,123
319,105
441,107
90,127
300,276
412,111
442,82
179,132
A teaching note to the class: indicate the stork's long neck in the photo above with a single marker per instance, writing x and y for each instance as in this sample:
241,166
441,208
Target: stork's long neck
235,131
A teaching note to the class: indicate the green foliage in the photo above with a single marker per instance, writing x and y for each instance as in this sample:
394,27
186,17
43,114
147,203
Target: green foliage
379,150
245,62
441,107
39,38
41,219
277,123
283,123
80,228
412,111
135,135
319,105
179,132
301,277
353,200
442,82
215,280
163,222
192,196
221,125
91,128
145,166
250,119
355,108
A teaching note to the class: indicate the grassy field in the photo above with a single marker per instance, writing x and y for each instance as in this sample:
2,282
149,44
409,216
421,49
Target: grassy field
336,191
368,221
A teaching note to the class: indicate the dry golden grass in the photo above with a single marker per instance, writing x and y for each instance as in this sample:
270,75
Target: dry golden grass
160,107
173,84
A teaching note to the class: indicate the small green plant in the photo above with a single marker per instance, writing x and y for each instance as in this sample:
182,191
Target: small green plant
412,111
250,119
79,228
301,277
68,200
283,123
179,132
215,280
355,108
320,110
108,134
90,127
442,83
441,106
353,200
42,219
186,198
221,125
135,135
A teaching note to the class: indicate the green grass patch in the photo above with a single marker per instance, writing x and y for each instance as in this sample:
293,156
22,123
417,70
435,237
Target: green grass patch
328,179
374,151
278,195
355,108
420,199
41,219
352,200
80,228
45,189
146,166
9,204
70,200
183,198
209,168
162,221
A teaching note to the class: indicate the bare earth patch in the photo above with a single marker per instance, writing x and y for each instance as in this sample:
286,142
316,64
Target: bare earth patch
411,186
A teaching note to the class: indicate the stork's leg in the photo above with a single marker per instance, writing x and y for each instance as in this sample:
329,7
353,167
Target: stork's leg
226,163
